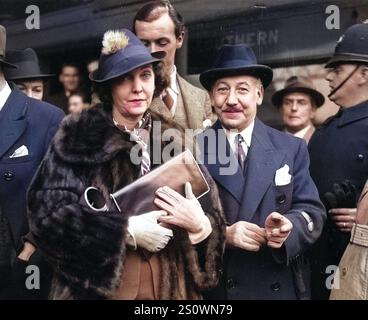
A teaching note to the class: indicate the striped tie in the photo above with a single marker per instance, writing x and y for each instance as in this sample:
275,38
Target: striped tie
241,147
168,100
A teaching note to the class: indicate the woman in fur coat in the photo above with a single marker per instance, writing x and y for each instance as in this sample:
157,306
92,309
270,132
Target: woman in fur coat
173,253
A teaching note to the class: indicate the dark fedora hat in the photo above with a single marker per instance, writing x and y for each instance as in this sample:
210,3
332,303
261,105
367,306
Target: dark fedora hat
234,60
28,66
122,52
352,47
2,48
298,84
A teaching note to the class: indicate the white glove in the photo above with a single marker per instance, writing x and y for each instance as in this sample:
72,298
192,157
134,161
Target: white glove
146,233
186,213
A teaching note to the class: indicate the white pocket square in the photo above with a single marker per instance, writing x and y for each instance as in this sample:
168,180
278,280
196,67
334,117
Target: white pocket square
20,152
282,176
206,123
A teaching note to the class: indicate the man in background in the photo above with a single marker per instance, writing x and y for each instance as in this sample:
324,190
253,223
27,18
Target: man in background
161,28
70,80
297,103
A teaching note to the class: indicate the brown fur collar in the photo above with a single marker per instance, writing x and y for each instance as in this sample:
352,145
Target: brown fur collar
92,137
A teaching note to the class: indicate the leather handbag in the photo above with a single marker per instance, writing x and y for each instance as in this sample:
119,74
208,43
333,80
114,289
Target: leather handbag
138,197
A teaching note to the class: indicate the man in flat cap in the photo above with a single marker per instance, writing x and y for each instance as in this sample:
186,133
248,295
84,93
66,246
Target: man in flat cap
271,204
298,102
27,126
339,152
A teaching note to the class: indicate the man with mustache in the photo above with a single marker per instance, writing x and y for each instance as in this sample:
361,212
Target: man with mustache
271,204
339,152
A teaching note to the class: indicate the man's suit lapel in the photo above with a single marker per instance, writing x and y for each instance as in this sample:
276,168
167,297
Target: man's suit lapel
262,162
158,106
218,167
189,101
13,120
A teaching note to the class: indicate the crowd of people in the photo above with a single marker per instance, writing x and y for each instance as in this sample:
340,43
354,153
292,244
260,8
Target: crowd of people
283,207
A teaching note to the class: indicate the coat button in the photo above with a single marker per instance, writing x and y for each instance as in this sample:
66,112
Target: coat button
230,283
8,175
360,157
275,286
344,271
281,199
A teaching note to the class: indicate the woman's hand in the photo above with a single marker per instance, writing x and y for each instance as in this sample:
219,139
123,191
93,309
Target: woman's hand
183,212
146,233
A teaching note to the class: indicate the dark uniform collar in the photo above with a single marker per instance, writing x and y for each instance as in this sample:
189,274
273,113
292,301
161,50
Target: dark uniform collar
354,113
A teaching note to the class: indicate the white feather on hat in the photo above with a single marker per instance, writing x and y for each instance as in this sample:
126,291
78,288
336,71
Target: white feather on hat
113,41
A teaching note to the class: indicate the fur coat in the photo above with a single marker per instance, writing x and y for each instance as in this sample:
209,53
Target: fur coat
87,249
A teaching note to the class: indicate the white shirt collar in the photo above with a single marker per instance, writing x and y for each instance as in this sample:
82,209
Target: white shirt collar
4,95
173,82
246,134
300,133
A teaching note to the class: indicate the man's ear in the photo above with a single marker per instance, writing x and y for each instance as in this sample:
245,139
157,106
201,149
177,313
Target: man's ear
180,39
211,97
260,93
313,112
364,73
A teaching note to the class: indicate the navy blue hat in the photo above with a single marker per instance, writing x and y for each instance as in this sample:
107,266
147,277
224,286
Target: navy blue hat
28,66
122,52
352,46
234,60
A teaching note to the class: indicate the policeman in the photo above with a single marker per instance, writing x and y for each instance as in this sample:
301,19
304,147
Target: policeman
339,152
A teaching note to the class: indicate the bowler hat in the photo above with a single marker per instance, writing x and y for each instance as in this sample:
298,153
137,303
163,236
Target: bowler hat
352,46
122,52
28,66
2,48
298,84
235,60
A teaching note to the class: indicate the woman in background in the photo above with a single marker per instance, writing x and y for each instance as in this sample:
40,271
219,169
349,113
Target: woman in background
78,102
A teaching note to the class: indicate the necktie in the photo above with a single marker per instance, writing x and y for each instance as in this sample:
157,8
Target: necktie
140,134
168,99
241,147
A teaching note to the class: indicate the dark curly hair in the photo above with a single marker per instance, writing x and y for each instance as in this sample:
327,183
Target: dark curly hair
162,81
